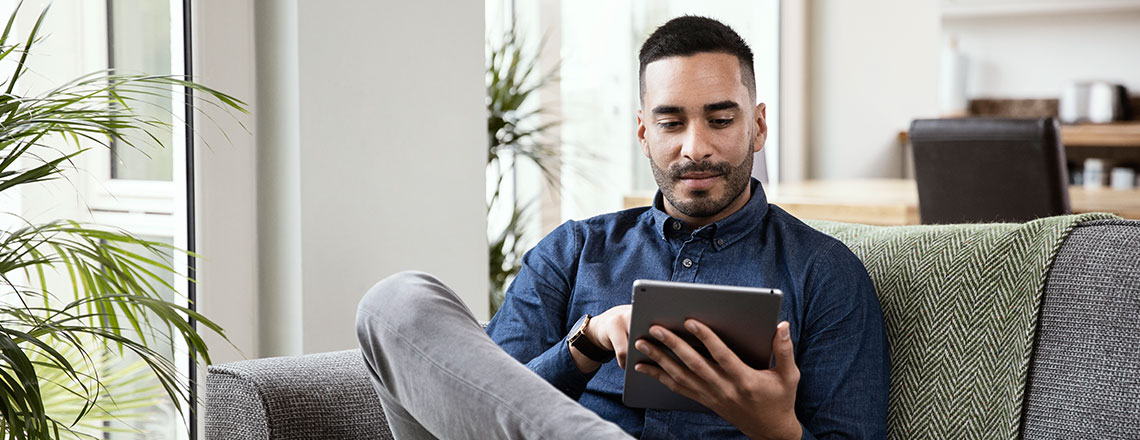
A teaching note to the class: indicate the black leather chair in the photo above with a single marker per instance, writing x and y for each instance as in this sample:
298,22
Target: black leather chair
989,169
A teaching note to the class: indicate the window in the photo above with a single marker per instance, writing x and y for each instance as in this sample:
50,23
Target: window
139,40
143,190
140,190
593,45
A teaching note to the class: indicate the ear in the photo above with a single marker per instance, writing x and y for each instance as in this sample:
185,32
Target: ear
641,135
761,127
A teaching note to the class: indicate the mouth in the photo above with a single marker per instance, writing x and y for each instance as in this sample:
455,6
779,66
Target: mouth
698,181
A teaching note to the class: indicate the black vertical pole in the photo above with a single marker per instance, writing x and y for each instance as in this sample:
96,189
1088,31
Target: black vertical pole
191,263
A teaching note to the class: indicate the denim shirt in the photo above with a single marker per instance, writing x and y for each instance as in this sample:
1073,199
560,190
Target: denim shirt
589,266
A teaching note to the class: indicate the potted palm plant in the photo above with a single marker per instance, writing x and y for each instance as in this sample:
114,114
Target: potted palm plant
516,132
55,336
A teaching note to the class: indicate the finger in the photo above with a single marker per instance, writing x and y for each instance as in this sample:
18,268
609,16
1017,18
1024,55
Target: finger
679,373
724,356
693,361
663,377
670,373
784,353
614,320
667,380
620,340
655,354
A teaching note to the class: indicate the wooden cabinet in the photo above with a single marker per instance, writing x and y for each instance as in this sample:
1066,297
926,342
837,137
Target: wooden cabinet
1116,143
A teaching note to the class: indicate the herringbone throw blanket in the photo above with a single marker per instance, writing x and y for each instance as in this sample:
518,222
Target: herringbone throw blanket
960,303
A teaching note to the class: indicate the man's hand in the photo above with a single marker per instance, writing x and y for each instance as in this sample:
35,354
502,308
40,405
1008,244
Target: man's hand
610,331
761,403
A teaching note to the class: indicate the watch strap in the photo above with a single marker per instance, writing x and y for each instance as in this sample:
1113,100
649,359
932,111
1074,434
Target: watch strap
578,339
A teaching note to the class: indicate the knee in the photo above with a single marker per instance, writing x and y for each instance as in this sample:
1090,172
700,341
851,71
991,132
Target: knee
394,299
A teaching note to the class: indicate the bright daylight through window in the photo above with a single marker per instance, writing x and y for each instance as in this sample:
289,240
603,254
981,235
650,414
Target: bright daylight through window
137,188
580,123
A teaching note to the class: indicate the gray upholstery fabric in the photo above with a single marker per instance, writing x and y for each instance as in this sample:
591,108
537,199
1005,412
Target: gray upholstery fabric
1084,378
319,396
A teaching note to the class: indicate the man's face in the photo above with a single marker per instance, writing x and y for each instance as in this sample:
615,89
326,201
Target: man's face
699,129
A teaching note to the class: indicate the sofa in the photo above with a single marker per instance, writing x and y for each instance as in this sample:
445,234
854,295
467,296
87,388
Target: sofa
1083,376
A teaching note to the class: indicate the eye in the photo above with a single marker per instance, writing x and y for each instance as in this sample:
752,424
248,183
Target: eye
720,122
668,125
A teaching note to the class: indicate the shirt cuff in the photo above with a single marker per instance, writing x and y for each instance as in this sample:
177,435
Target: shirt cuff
557,366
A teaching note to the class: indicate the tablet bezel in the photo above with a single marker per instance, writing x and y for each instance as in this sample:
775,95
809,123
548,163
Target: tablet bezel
744,318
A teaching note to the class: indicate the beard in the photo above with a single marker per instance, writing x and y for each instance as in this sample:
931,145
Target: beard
703,203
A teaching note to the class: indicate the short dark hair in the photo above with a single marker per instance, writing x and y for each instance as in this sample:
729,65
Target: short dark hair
690,35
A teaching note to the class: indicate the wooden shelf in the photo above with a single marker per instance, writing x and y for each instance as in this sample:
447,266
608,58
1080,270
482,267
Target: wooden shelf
1119,134
1116,134
964,9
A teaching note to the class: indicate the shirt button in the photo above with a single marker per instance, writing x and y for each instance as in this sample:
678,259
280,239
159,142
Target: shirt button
687,263
720,242
676,226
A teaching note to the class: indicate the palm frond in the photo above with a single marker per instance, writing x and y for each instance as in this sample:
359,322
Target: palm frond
116,388
56,341
516,132
505,252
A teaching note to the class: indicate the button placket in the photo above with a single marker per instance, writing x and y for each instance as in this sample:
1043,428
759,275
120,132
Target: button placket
688,257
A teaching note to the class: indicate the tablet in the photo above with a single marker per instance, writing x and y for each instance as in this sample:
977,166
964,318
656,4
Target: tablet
744,318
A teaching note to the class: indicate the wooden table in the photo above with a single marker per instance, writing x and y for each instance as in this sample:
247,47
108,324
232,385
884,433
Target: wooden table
895,201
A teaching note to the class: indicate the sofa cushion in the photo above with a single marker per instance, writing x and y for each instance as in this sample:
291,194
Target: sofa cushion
1084,379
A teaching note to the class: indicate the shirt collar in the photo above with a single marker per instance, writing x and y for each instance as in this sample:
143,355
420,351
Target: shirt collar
721,233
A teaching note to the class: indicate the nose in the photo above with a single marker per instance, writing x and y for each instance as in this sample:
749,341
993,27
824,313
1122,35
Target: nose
695,146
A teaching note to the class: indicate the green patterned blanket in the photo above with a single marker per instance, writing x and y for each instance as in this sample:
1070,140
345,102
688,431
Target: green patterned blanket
960,303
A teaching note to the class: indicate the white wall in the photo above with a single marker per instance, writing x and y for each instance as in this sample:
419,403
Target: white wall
795,28
279,205
226,180
1035,56
368,159
392,126
872,68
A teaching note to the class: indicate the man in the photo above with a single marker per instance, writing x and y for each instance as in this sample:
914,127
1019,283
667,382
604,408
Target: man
699,126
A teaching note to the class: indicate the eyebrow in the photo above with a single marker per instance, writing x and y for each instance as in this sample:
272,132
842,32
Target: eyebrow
716,106
723,105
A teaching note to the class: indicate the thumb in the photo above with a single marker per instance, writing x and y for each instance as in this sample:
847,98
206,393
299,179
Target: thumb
783,353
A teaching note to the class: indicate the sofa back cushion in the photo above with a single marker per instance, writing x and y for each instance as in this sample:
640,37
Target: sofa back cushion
960,304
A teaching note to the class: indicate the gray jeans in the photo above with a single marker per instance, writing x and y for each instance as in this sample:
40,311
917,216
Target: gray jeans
439,375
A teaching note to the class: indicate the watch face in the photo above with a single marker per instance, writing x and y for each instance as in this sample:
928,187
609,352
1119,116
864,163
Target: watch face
576,329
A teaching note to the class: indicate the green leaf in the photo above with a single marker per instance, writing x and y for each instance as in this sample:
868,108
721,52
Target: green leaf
53,349
514,128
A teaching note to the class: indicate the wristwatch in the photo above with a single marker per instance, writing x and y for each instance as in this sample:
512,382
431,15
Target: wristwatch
577,339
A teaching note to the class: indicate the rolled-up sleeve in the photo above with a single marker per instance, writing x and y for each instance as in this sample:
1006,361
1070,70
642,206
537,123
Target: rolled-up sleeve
532,322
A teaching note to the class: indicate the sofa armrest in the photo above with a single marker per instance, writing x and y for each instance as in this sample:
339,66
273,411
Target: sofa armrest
1083,375
324,395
